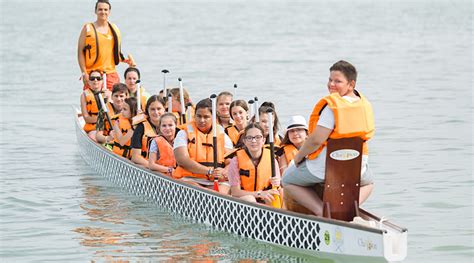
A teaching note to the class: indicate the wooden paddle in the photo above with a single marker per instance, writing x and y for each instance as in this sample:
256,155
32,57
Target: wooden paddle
276,202
214,138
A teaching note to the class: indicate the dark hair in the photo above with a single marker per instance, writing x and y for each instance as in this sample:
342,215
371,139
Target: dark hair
286,139
276,122
132,103
120,87
131,69
203,104
95,70
224,94
151,100
268,104
347,69
251,126
241,103
102,1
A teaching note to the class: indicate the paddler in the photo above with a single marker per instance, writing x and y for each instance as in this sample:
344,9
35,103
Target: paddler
342,114
99,46
132,77
296,134
90,103
240,118
224,99
119,94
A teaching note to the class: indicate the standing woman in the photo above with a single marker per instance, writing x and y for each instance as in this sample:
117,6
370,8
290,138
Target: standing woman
99,46
161,156
296,134
146,130
132,75
239,114
250,173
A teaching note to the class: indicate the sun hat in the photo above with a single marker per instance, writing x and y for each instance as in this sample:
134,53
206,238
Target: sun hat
297,121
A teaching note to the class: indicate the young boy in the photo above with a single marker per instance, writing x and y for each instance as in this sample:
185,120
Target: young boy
119,94
344,113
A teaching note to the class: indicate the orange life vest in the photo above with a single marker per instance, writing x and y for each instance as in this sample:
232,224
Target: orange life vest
92,47
166,152
125,150
290,151
354,119
200,149
92,109
234,134
189,117
111,113
148,134
254,178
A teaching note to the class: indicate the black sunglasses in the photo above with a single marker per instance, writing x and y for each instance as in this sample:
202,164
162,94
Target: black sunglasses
95,78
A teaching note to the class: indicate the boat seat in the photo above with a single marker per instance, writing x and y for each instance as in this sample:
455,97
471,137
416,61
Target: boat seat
340,191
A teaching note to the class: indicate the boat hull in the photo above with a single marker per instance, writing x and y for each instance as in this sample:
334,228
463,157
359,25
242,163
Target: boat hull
308,234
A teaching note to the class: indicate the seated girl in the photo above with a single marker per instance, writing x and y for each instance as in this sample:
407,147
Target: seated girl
296,134
123,130
250,175
161,156
239,114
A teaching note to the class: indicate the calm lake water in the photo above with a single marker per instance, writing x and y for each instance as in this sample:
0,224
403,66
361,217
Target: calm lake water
415,65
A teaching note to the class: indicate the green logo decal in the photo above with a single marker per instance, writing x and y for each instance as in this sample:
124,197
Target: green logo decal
327,238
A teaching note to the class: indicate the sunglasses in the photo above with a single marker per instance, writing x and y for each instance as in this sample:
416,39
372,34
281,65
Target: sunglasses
98,78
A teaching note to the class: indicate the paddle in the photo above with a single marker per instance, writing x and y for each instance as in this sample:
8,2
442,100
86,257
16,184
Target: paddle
139,98
105,109
165,91
276,202
170,103
214,138
235,91
181,100
251,108
257,116
140,117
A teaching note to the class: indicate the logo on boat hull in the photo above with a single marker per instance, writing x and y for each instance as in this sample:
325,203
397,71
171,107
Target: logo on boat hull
344,154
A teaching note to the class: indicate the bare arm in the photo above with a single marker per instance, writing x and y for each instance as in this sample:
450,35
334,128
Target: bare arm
122,139
312,143
182,158
157,167
80,54
283,163
138,158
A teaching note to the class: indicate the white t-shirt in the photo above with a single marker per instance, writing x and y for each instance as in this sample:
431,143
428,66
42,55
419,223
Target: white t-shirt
181,140
317,166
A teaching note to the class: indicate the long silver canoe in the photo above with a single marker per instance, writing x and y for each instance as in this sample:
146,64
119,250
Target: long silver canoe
307,234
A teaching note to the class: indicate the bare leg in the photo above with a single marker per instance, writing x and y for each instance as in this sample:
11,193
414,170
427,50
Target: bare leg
365,192
249,198
224,189
306,197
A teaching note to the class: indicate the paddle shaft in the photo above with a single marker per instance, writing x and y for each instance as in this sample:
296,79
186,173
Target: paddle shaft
104,108
181,98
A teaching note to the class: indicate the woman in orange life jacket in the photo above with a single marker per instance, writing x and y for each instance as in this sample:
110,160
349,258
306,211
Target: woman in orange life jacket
296,134
123,130
176,105
145,131
193,149
119,94
250,175
239,114
309,164
131,76
90,103
161,156
263,115
99,46
224,99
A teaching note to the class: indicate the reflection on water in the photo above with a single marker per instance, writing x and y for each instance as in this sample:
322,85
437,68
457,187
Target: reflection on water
120,226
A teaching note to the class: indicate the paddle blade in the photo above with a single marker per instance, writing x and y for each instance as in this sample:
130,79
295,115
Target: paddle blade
216,186
277,201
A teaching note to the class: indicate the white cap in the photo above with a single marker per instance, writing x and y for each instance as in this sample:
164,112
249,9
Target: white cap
297,121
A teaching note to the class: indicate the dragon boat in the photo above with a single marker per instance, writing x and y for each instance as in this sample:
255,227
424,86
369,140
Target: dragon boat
311,235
